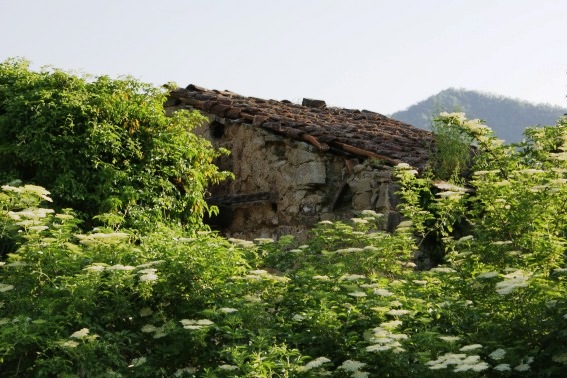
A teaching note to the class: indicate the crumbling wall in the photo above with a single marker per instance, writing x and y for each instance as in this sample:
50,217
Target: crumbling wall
285,186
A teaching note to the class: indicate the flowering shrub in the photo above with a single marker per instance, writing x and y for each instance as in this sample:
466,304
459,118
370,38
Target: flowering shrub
159,301
103,147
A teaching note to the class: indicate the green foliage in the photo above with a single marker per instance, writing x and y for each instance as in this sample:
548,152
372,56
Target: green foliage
103,146
146,298
451,154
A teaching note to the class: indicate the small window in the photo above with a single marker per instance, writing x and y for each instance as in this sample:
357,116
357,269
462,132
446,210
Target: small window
216,129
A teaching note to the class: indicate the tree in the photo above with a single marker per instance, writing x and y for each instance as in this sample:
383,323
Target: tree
103,146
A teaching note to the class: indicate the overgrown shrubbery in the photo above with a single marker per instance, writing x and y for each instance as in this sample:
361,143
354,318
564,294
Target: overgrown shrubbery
167,300
103,146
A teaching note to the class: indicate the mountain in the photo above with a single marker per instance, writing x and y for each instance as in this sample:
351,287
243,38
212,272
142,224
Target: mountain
506,116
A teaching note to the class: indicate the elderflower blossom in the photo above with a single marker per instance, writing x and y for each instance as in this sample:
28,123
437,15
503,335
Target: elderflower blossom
383,292
351,365
146,311
80,334
498,354
99,237
487,275
38,228
478,366
321,278
352,277
396,312
120,267
148,328
34,189
442,269
192,324
241,242
391,324
450,339
369,286
137,362
467,348
357,294
359,220
360,374
148,277
383,339
502,367
512,281
228,367
5,287
314,364
34,214
461,361
69,344
349,250
97,267
522,367
227,310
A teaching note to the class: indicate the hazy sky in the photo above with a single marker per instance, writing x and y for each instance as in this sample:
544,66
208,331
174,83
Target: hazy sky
377,55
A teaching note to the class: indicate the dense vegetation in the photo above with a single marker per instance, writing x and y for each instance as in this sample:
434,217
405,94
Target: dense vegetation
173,299
102,146
508,117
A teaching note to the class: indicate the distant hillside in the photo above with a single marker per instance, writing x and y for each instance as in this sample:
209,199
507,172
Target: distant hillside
506,116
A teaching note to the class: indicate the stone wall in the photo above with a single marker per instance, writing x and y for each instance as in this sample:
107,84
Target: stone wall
284,186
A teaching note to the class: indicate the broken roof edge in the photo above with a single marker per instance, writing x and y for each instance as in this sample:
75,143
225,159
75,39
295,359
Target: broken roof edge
361,133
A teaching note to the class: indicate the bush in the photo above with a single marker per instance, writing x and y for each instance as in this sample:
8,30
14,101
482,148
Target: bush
103,146
160,299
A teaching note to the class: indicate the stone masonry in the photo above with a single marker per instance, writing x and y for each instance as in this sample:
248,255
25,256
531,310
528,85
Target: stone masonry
296,165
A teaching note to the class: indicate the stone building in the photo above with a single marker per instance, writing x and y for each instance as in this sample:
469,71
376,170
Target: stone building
296,165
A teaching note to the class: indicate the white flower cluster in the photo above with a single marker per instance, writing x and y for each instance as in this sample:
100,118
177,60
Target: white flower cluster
5,287
352,277
450,339
158,332
383,292
196,324
137,362
314,364
514,280
383,339
524,365
487,275
227,310
348,250
242,243
357,294
146,274
498,354
260,274
102,238
404,169
354,367
29,214
29,189
80,334
228,367
460,361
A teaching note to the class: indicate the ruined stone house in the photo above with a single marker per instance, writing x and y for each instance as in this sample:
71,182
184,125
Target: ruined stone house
296,165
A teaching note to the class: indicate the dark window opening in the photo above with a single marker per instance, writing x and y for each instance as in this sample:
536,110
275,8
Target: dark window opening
221,221
216,130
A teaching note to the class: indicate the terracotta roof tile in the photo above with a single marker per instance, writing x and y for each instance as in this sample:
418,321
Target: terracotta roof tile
353,132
